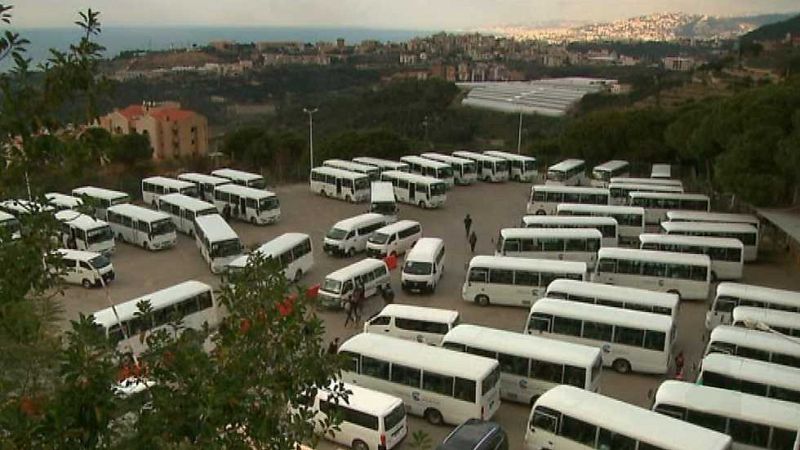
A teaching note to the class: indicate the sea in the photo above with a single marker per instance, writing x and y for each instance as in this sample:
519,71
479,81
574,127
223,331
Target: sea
118,39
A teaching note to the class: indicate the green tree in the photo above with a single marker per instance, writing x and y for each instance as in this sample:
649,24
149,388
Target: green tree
131,149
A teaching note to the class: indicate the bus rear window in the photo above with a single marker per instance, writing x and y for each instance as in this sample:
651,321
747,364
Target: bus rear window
394,417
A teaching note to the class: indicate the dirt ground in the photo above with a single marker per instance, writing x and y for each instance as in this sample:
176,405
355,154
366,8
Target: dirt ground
492,206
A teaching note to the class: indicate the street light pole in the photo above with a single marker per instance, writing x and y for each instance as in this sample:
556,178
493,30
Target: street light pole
310,113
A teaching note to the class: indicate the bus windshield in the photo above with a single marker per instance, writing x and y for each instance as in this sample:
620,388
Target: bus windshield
361,184
383,207
332,286
438,189
258,184
101,234
163,226
379,238
191,191
600,175
100,261
468,167
11,225
555,175
336,233
206,212
446,172
530,166
268,203
417,268
501,166
222,249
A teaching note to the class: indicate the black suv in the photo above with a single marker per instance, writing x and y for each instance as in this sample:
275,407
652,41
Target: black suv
476,434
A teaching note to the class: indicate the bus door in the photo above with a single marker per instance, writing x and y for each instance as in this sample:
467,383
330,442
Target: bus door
242,206
338,186
412,188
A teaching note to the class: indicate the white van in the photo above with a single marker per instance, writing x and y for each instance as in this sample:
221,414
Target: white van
371,420
88,269
338,286
424,265
349,236
394,239
382,200
413,323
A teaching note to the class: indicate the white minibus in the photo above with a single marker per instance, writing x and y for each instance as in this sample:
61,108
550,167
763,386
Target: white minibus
687,275
370,420
241,178
338,286
750,376
425,192
465,171
63,201
529,365
372,172
82,232
630,219
784,322
630,340
154,187
10,226
661,171
488,168
504,280
727,254
520,167
20,207
656,204
568,244
619,191
205,184
190,302
754,344
423,266
602,174
430,168
731,295
746,233
349,236
88,269
293,251
382,164
100,199
394,239
382,201
569,172
546,198
714,217
217,241
414,323
568,418
651,181
152,230
607,226
615,297
338,183
752,422
183,210
247,204
440,385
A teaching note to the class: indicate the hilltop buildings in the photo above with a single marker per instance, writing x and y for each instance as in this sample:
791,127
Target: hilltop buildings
173,131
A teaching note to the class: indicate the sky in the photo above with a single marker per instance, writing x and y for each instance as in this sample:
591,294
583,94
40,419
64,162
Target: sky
391,14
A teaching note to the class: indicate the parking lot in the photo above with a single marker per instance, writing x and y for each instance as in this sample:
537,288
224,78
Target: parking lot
492,206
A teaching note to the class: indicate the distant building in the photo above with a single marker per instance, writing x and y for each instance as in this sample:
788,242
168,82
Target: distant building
222,46
679,63
173,132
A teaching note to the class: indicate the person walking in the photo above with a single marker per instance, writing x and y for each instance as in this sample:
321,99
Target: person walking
358,302
467,224
472,240
226,212
350,309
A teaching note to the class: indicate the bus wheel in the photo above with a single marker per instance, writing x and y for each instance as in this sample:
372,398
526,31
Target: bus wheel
433,416
252,221
482,300
421,204
621,366
676,292
358,444
351,252
541,212
324,194
349,199
714,277
533,399
87,284
120,237
298,275
146,245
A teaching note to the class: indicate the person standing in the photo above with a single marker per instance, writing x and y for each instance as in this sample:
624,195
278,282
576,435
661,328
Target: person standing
333,347
467,224
472,240
350,308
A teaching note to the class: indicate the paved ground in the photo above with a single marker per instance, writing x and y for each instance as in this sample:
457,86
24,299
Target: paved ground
491,206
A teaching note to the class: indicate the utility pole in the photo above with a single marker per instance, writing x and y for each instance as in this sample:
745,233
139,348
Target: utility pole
519,133
310,113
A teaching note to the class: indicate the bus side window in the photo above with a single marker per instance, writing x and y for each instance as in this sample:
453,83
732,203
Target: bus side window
545,419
